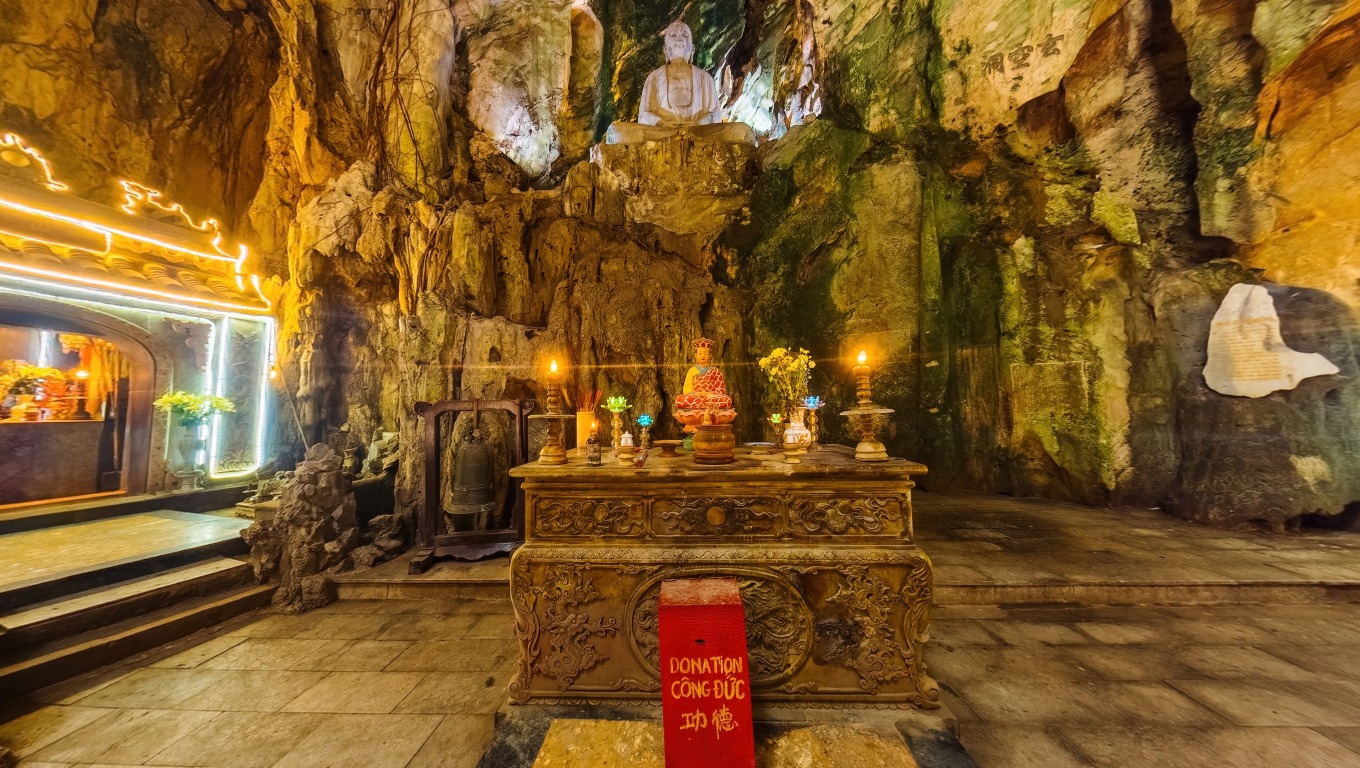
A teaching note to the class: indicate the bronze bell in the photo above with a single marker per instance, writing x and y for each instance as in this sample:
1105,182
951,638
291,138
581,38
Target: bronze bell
474,494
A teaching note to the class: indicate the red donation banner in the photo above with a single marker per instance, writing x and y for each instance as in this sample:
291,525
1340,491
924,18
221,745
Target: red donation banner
705,680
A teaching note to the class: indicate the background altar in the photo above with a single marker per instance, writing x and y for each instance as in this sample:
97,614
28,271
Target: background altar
837,594
49,459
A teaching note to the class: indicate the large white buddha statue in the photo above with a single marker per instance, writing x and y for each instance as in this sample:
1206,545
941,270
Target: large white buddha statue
678,93
678,97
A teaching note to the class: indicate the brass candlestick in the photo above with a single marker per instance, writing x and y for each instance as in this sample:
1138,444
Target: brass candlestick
82,392
554,450
864,416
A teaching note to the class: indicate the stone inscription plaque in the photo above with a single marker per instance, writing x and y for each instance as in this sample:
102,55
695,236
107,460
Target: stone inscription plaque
1247,354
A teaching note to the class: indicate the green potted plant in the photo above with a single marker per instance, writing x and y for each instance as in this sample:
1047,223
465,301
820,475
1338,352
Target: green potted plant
192,411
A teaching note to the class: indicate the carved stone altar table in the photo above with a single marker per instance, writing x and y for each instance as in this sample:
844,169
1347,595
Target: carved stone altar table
837,594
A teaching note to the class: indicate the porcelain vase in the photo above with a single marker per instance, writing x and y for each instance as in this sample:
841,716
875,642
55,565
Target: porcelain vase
796,434
190,445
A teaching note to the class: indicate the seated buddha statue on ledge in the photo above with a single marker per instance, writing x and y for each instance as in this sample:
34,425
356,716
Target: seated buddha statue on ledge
704,398
679,98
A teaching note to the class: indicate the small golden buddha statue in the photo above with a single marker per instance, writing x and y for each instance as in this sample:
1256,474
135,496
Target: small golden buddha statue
705,392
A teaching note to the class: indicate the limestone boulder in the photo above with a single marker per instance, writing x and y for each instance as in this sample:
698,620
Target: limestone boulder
497,171
590,192
180,101
872,61
1268,459
332,222
413,84
1275,142
685,192
583,97
519,59
310,538
473,267
1304,226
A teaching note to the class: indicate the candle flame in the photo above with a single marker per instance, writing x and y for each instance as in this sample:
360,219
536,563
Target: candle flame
863,356
553,367
82,374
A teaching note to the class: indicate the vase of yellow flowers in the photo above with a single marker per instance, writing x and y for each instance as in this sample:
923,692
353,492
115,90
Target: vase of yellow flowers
23,382
788,372
192,412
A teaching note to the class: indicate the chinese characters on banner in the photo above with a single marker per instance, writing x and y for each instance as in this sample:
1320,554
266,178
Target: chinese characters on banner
705,680
1020,57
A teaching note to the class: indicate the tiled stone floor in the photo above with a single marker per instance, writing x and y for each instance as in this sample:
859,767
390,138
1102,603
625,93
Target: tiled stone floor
416,683
976,539
357,683
379,683
1134,687
982,541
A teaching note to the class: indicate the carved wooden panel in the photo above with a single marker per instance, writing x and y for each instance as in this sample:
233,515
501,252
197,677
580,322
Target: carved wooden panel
716,516
844,515
779,625
824,625
587,517
836,596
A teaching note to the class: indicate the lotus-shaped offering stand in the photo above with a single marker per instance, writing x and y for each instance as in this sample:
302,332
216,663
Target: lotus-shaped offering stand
692,419
616,406
644,423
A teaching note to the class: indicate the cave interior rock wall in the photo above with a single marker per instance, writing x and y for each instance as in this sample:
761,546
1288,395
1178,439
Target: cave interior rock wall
1028,212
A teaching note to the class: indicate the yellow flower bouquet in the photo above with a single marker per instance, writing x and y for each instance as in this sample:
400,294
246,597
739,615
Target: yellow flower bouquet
192,409
19,378
789,372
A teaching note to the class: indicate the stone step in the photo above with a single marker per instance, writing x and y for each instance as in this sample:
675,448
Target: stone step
490,580
54,662
101,606
1335,592
52,563
447,580
31,517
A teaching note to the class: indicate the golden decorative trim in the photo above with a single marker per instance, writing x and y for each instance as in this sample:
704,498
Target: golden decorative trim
62,241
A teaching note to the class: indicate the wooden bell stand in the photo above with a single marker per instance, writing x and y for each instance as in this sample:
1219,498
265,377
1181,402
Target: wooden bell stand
432,543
